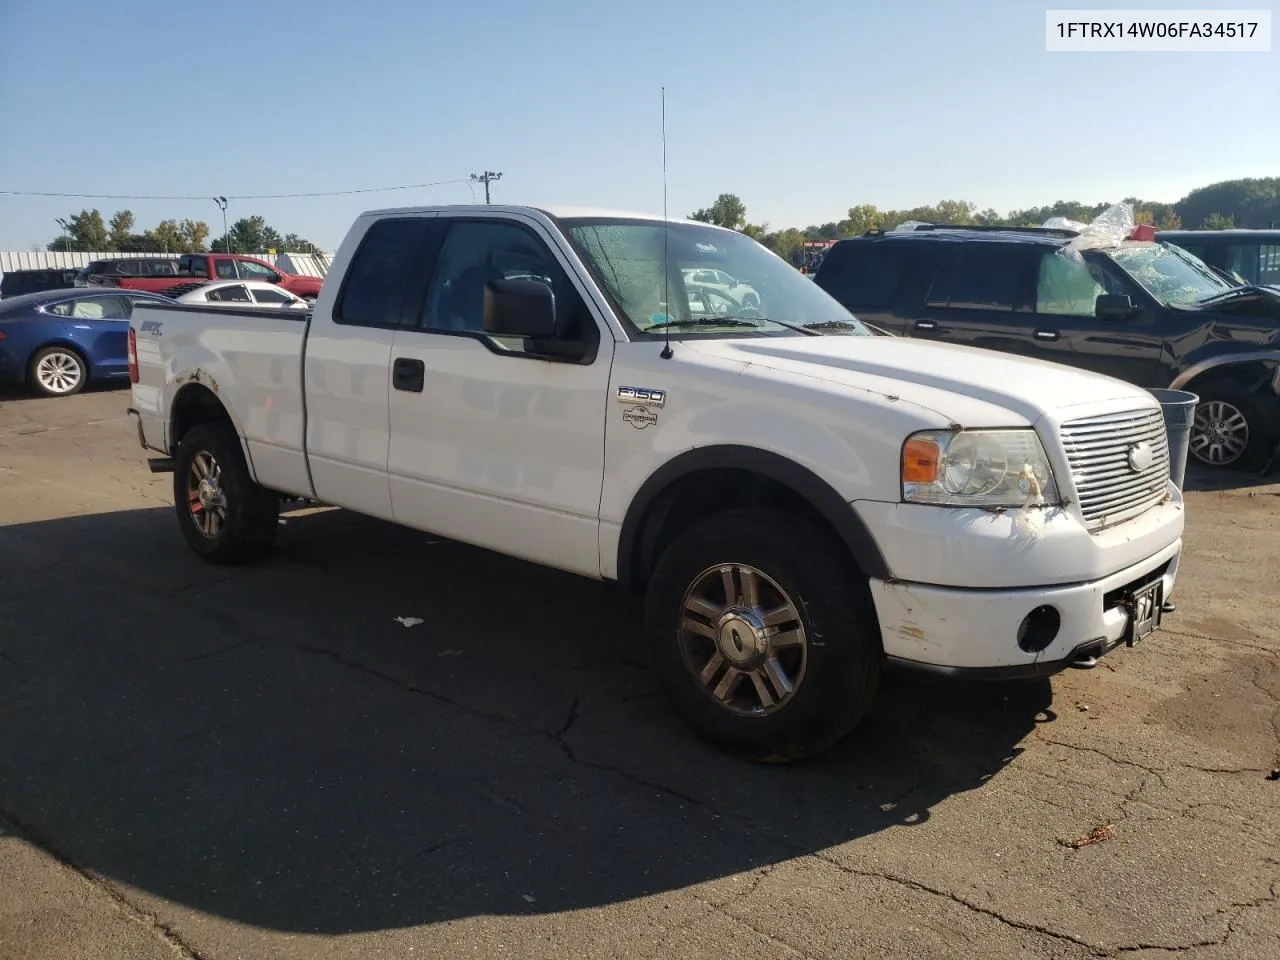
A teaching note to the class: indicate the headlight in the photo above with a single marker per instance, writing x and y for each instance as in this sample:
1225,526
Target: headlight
977,468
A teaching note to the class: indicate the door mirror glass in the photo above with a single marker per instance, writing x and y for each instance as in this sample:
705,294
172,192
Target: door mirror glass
1113,306
519,308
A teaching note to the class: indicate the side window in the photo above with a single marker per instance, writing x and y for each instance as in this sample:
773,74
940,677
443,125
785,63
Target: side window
475,252
236,293
162,268
380,273
129,268
863,275
61,309
1067,287
99,308
195,266
1269,263
225,269
256,271
274,297
981,276
1257,263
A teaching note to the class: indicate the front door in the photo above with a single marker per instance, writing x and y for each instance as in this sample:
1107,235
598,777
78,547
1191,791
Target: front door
493,442
1067,330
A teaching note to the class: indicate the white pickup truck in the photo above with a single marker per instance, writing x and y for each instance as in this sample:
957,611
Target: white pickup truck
802,501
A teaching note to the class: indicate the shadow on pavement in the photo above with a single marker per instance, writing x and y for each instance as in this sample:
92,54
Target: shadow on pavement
1202,479
270,745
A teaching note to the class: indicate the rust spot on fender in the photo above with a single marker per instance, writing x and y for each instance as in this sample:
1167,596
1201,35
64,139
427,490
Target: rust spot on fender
911,632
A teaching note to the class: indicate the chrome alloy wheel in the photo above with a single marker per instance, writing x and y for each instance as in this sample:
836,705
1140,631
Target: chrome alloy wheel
1220,433
205,497
59,371
742,639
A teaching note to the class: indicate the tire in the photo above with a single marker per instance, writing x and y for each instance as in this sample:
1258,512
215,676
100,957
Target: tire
58,372
832,659
235,519
1233,428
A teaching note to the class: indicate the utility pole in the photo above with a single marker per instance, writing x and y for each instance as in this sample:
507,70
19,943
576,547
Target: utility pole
486,178
66,229
226,236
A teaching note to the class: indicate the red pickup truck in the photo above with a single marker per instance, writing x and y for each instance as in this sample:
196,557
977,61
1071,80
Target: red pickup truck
191,270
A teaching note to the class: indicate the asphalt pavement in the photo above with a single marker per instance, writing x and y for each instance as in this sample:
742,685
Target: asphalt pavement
264,762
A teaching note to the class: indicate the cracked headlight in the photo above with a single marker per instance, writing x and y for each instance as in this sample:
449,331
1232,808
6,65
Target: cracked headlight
977,468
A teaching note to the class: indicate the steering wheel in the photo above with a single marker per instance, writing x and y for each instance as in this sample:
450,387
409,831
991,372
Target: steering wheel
726,306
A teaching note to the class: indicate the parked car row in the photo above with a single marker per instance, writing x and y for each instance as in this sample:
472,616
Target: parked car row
175,277
1150,313
56,342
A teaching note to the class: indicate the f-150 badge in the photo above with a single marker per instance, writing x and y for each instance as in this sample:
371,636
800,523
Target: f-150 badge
642,396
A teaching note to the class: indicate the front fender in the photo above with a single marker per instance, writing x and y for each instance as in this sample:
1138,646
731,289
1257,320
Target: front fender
1222,362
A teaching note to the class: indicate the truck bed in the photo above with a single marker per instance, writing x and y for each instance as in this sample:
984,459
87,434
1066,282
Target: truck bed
250,358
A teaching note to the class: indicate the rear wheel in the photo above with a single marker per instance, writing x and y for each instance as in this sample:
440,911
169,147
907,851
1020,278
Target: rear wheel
58,372
224,515
764,634
1233,427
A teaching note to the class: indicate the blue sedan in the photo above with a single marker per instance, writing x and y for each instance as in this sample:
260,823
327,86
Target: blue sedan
57,341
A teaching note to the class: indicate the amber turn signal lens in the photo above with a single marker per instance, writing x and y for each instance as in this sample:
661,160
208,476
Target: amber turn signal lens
920,461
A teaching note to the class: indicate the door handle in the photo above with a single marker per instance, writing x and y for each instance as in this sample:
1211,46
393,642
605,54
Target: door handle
408,374
926,325
1046,334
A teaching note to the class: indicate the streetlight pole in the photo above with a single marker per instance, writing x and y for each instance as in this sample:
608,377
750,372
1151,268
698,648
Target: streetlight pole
486,178
226,235
66,229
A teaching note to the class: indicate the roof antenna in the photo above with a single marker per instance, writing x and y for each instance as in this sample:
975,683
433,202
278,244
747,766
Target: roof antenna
666,230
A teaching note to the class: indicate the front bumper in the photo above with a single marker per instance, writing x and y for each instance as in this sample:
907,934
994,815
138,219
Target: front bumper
966,631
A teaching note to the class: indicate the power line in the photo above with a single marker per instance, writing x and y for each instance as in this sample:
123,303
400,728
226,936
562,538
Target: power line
259,196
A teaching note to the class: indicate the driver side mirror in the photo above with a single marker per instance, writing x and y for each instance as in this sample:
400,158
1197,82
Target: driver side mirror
519,308
1114,306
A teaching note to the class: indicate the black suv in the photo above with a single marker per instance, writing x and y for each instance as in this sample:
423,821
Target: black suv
18,282
1146,312
102,273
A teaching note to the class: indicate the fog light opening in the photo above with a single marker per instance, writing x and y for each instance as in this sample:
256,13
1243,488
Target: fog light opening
1038,629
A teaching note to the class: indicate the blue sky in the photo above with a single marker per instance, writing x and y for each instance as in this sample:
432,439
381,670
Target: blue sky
802,109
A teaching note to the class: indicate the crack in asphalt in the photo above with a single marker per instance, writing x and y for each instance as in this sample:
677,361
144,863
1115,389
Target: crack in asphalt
1228,932
162,931
1157,771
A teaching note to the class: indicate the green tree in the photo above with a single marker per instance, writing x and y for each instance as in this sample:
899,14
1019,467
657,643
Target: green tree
1170,221
87,232
1251,202
194,233
727,211
121,229
1218,221
862,218
293,243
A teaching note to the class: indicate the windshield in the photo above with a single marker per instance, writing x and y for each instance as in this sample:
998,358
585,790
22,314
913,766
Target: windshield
1171,275
711,275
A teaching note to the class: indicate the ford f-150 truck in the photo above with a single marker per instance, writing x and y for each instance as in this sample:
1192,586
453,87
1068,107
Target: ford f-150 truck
802,502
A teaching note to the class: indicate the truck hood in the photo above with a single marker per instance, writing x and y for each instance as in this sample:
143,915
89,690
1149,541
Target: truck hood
966,385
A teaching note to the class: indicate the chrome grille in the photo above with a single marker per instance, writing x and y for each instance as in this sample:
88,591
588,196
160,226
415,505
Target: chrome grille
1109,489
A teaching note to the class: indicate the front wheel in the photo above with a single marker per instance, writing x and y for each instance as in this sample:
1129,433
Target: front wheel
1233,427
224,516
764,634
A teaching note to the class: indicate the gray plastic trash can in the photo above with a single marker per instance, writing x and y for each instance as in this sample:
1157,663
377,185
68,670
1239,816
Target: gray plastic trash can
1179,408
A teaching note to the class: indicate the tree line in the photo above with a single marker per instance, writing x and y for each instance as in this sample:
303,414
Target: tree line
1251,202
87,230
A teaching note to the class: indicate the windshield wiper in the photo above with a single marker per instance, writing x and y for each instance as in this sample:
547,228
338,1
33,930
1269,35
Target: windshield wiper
831,325
705,322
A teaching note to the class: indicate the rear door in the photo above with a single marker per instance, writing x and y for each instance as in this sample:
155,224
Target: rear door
865,276
979,297
348,365
100,326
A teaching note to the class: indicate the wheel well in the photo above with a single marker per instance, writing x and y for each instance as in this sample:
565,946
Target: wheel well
195,404
1253,375
655,520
